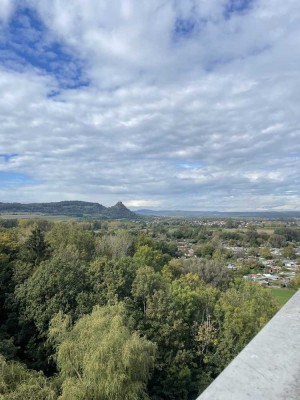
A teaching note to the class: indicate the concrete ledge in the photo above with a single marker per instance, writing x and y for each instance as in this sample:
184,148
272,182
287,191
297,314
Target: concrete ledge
268,368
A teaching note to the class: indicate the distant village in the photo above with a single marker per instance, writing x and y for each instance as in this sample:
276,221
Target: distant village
273,268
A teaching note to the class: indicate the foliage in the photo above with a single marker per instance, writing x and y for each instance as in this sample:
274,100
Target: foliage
289,252
295,282
114,246
111,280
169,319
145,284
19,383
145,255
35,249
290,234
70,208
240,313
57,284
101,357
265,252
71,236
115,313
277,240
212,272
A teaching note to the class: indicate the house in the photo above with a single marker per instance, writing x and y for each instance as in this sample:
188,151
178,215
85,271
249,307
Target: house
288,263
231,267
271,277
264,283
271,269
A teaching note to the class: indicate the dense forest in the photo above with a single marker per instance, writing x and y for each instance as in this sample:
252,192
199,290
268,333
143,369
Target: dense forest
89,314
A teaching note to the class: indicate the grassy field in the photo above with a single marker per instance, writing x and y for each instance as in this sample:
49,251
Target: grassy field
282,295
37,216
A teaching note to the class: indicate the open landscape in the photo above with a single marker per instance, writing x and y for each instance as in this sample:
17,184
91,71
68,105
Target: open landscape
80,295
149,200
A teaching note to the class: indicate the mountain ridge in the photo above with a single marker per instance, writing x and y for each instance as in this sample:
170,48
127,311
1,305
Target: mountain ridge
74,208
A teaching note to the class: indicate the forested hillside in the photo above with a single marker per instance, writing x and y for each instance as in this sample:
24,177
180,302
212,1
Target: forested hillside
70,208
116,315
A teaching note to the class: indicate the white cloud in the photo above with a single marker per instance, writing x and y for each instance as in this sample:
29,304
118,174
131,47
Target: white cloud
143,203
6,9
205,119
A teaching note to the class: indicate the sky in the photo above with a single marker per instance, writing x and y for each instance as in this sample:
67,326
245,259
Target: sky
161,104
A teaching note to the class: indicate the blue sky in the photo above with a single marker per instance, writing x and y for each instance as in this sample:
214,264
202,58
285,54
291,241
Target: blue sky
27,43
188,104
12,179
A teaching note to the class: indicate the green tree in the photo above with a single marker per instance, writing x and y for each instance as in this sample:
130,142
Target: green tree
289,252
35,249
166,247
212,272
19,383
277,240
112,279
145,255
240,313
114,246
101,357
9,247
231,223
290,234
171,316
295,282
251,236
265,252
71,235
56,284
146,282
206,250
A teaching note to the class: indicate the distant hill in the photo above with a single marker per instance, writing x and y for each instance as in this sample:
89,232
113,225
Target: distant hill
219,214
120,211
71,208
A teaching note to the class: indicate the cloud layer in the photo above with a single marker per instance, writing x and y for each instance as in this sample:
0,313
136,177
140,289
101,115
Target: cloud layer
175,104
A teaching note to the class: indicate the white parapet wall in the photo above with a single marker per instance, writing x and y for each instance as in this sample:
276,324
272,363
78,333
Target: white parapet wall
268,368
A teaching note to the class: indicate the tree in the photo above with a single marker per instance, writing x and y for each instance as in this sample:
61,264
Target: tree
56,284
171,315
289,234
145,255
112,279
146,282
221,255
19,383
35,249
231,223
240,313
251,236
277,240
265,253
206,250
295,282
101,357
212,272
69,235
289,252
8,319
167,248
114,246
